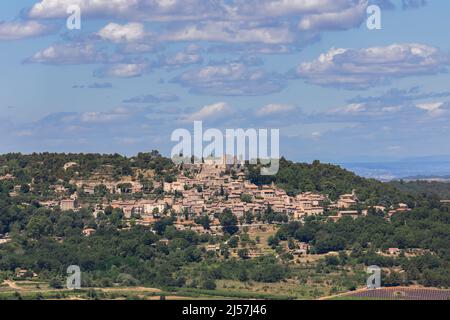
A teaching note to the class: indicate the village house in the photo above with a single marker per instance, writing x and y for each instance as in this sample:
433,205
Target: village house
346,201
302,249
68,204
5,238
7,177
213,247
88,232
51,204
394,251
402,208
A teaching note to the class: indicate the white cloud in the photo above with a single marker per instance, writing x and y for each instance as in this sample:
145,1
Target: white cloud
196,10
58,8
182,59
130,32
353,108
434,109
123,70
138,10
363,68
231,79
275,109
431,106
232,32
367,111
102,117
23,29
140,47
267,8
69,53
210,112
342,18
232,21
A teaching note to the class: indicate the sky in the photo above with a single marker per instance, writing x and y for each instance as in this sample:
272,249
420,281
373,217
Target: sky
139,69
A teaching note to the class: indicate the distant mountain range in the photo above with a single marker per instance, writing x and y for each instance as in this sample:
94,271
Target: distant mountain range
435,168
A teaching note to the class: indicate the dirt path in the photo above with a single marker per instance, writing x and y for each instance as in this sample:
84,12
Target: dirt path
12,285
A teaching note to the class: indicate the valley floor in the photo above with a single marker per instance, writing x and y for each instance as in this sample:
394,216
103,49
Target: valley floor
34,290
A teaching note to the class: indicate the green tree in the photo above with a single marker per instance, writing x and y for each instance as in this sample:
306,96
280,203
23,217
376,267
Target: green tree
39,226
229,222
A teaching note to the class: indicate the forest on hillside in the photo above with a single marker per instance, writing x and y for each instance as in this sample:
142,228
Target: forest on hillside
440,189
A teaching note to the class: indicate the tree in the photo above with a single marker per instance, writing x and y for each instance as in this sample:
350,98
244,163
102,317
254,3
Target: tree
161,225
332,261
224,251
203,221
233,242
291,244
39,226
229,222
127,280
248,217
147,186
24,188
55,283
209,284
273,241
101,190
116,218
247,198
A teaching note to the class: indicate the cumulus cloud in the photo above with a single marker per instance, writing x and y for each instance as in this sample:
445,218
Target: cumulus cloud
345,18
191,55
195,10
353,108
275,109
366,113
140,47
232,32
71,53
360,69
232,21
123,70
431,107
390,109
210,112
130,32
434,109
234,79
265,8
16,30
115,115
182,58
270,22
142,10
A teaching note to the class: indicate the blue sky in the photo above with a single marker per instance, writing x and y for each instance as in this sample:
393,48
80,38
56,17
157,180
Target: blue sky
138,69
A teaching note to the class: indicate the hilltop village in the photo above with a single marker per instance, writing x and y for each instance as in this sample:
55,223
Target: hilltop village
206,189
